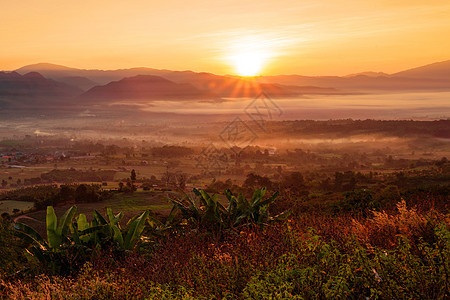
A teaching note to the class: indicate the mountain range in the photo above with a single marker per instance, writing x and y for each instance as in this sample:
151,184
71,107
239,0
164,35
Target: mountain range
222,86
33,84
33,90
434,76
43,82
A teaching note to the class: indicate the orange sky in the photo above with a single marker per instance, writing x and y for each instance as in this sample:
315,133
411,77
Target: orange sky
310,37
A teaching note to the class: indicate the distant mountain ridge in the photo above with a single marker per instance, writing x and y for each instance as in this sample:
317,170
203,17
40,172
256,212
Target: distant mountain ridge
434,76
429,77
32,90
437,71
221,86
362,83
101,77
34,84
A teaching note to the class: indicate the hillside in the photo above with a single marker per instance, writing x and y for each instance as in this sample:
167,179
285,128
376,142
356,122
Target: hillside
33,85
430,77
437,71
143,87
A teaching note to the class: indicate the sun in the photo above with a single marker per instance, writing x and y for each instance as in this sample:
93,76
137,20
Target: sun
249,55
248,63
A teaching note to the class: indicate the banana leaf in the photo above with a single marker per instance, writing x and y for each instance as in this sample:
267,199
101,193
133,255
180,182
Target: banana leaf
29,235
53,238
135,230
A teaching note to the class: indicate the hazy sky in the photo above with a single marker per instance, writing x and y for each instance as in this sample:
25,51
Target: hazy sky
310,37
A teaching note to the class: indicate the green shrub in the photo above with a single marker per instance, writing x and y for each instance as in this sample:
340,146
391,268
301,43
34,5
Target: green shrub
358,201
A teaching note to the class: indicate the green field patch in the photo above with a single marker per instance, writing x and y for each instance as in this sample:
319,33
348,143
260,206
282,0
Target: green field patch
139,201
121,175
8,206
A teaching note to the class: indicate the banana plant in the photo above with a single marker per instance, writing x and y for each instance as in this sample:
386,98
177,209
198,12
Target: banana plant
114,223
88,234
107,228
84,235
102,229
39,247
57,234
71,240
212,214
48,252
213,209
157,228
208,213
255,211
135,227
187,207
81,225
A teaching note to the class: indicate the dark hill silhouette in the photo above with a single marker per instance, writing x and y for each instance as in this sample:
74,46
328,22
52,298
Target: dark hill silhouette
34,75
33,91
34,84
144,87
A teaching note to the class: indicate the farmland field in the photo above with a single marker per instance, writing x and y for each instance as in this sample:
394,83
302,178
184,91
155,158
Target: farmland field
8,206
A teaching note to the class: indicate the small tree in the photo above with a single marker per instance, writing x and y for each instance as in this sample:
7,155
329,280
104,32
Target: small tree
81,193
130,187
132,180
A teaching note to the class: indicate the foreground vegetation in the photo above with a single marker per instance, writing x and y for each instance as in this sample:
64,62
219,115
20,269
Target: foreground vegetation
401,253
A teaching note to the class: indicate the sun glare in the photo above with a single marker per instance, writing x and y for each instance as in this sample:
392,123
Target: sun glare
248,63
249,55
